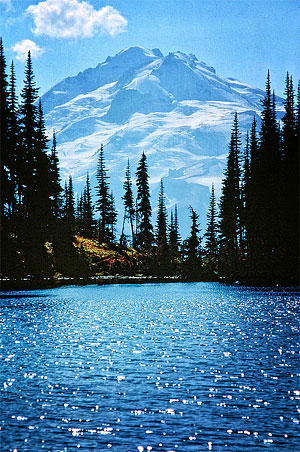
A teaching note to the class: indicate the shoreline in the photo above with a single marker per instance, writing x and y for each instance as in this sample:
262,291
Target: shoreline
31,283
51,283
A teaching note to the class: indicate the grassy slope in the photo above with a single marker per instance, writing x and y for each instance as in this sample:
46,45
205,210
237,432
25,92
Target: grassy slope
104,258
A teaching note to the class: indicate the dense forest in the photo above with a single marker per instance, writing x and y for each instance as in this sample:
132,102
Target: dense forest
251,235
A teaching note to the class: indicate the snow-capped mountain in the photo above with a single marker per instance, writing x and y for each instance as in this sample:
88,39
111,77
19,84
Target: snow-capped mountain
175,108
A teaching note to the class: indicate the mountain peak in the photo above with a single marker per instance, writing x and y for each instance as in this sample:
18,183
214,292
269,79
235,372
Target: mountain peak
173,107
136,53
157,52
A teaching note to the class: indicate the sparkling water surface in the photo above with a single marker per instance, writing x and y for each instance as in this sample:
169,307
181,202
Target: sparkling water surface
161,367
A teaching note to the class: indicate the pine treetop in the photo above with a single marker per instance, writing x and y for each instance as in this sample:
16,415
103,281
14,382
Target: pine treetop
161,224
29,93
12,97
128,195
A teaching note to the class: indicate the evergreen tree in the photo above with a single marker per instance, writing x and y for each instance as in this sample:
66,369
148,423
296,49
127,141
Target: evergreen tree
87,210
67,259
28,121
55,180
255,207
111,217
42,183
129,211
145,235
12,97
297,119
269,184
103,203
13,141
254,149
171,230
8,263
290,182
176,227
230,204
174,237
162,251
33,169
192,252
211,234
69,202
245,194
4,137
289,119
174,242
79,214
161,224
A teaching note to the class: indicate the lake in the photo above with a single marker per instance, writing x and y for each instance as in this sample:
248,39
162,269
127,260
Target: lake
161,367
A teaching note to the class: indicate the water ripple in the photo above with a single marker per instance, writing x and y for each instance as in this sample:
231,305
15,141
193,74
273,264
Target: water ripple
174,367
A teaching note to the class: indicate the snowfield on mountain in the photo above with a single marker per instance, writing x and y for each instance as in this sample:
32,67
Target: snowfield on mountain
175,108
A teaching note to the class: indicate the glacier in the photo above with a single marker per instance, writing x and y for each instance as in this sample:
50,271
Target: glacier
175,108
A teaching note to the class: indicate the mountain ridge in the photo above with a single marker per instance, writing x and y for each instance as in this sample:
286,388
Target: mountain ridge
175,108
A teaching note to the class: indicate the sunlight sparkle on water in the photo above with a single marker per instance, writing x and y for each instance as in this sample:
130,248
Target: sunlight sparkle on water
157,367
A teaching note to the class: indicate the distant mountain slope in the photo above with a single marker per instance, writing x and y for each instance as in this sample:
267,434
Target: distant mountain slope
174,107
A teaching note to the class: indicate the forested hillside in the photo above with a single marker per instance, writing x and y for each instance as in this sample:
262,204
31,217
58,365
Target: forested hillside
250,235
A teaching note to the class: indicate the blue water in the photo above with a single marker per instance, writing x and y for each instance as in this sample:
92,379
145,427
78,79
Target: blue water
161,367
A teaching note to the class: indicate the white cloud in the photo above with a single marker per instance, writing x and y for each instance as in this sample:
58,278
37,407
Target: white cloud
7,4
74,18
21,48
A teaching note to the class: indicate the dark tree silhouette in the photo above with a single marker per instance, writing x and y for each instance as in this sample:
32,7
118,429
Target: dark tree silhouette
230,204
28,122
13,143
290,180
56,189
111,217
211,235
161,224
103,202
4,115
174,236
269,185
162,251
245,187
88,222
145,234
69,201
192,265
129,211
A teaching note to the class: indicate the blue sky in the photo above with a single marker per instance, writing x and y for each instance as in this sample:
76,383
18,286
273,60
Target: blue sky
240,38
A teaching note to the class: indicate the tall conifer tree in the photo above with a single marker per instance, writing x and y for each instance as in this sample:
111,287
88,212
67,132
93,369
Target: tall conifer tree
269,184
145,234
255,207
4,137
87,209
192,265
42,176
69,202
290,180
230,204
13,142
103,203
161,224
174,242
211,234
79,214
56,190
28,119
111,217
174,237
245,195
129,211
